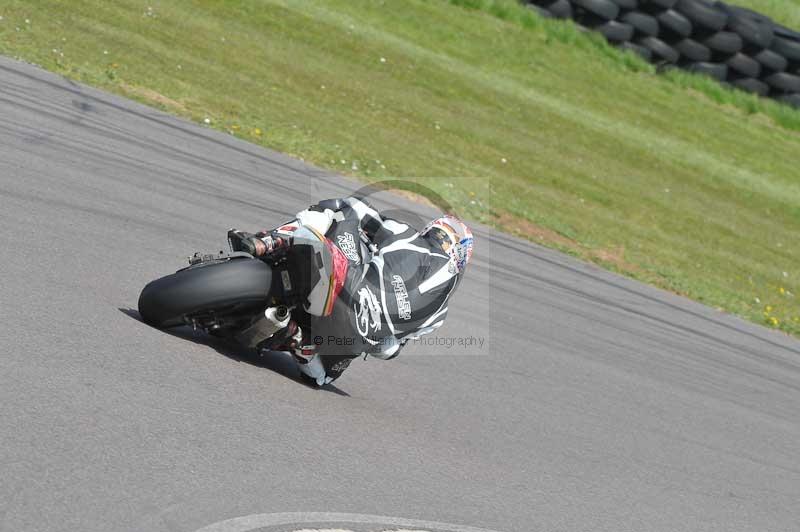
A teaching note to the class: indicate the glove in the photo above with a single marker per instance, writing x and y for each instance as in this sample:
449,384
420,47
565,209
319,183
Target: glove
320,221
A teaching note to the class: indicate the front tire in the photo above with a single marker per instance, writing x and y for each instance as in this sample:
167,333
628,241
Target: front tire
236,283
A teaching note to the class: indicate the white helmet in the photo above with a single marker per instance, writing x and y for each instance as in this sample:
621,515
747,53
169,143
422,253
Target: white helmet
454,237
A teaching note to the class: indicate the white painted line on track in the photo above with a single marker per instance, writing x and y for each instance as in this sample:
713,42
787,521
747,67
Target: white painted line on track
323,530
348,530
248,523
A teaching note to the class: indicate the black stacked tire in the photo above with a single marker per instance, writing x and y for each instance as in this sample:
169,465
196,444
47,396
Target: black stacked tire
718,71
708,23
702,14
643,52
605,9
723,44
615,31
788,48
783,83
692,51
786,85
560,9
661,51
674,26
164,302
743,12
783,31
627,5
751,85
771,62
644,25
791,99
737,46
655,6
755,30
743,66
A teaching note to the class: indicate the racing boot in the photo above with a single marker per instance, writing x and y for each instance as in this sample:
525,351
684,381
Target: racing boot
258,245
287,339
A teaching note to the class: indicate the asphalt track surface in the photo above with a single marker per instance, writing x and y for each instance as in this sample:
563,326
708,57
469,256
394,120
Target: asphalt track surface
596,403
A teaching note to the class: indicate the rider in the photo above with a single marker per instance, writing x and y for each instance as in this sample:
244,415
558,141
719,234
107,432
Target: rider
397,285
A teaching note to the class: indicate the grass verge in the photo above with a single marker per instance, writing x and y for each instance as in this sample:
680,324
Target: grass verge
541,129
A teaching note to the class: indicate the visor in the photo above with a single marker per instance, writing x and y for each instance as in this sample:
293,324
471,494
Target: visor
440,237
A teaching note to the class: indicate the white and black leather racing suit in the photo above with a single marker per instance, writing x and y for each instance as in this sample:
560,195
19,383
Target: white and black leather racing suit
396,292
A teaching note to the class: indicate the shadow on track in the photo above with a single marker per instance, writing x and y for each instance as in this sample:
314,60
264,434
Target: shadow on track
278,362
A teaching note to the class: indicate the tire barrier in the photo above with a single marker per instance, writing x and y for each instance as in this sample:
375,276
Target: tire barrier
739,47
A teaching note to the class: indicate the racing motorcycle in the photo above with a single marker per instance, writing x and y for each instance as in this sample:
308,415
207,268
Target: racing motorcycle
246,298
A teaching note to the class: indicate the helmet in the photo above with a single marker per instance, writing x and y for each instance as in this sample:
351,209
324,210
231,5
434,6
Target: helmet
454,237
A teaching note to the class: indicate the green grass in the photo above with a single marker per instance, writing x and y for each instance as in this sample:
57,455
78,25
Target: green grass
510,10
786,12
534,126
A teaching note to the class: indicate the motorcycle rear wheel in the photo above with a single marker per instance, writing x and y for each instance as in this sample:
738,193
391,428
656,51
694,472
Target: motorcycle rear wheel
223,287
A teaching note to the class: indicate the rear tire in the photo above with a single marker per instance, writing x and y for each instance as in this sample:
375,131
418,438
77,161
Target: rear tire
238,282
